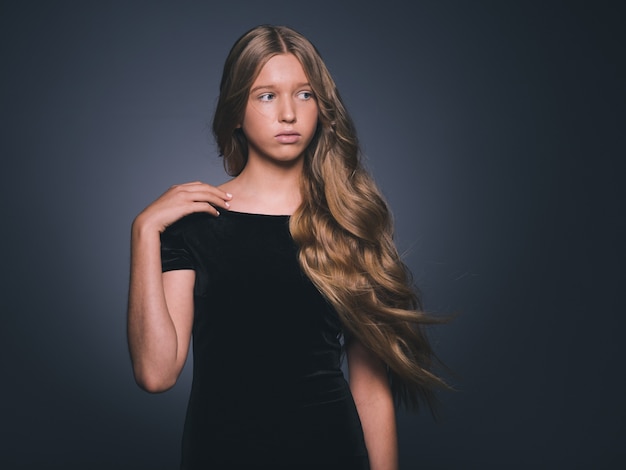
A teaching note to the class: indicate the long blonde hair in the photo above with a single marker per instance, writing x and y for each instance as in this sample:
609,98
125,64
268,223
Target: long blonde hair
343,228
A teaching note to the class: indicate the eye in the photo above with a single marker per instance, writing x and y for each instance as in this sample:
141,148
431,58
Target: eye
305,95
266,97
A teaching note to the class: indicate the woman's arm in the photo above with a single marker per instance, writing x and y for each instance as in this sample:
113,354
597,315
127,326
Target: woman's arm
160,305
160,314
372,395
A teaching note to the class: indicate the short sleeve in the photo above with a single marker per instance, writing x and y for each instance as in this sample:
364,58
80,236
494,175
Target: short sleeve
175,253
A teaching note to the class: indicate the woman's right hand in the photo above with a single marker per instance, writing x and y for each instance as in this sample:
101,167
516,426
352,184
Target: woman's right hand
179,201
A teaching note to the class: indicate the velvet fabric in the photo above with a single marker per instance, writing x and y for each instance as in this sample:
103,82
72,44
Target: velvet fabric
267,390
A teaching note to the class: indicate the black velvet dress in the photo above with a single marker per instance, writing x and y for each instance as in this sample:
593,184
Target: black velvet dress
268,390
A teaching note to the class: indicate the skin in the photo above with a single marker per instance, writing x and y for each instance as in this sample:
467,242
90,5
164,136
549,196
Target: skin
370,388
279,122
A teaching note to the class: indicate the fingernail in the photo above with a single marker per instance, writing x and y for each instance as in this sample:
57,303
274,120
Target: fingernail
229,195
217,212
226,204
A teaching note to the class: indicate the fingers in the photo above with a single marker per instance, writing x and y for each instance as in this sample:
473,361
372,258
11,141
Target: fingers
204,193
203,187
179,201
204,207
197,197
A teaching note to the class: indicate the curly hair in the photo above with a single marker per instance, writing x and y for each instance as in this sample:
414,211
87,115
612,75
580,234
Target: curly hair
343,227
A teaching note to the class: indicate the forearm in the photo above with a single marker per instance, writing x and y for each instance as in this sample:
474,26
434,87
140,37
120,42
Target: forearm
374,402
377,413
152,335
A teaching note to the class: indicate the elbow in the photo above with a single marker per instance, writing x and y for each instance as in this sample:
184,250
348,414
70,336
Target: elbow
154,382
154,386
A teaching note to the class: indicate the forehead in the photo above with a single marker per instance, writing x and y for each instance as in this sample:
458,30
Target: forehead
281,69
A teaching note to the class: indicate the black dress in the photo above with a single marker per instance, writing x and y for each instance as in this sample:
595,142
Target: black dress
268,390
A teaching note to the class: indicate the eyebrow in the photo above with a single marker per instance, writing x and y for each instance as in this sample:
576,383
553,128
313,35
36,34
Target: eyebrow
272,87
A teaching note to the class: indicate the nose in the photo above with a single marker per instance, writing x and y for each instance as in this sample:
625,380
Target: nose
287,111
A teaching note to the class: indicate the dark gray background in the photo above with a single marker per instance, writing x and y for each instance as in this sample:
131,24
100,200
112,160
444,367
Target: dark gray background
495,129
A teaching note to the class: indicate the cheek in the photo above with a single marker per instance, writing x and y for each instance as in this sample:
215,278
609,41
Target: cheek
313,118
254,122
258,111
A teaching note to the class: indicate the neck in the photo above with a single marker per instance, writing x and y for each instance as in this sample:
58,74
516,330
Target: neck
266,188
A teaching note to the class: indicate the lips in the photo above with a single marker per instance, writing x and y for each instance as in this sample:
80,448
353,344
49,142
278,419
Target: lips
287,137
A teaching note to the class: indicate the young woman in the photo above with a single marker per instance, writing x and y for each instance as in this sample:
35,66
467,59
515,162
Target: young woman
276,272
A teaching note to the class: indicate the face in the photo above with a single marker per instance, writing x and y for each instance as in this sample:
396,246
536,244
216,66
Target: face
281,115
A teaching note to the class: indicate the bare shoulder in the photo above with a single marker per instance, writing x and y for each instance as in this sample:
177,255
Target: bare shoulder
228,186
